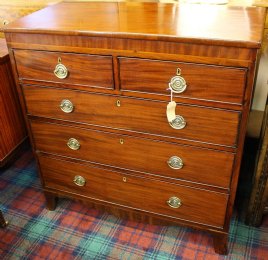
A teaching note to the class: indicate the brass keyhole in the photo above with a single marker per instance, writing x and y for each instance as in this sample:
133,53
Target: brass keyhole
118,103
124,179
121,141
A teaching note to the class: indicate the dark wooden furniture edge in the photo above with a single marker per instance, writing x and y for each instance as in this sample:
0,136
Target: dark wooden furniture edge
3,222
13,153
259,195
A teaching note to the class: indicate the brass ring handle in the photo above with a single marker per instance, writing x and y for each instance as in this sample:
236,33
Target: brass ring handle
73,144
175,162
79,180
174,202
66,106
61,71
177,84
178,123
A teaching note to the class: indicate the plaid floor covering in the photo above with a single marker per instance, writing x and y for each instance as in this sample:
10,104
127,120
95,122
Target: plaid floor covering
74,231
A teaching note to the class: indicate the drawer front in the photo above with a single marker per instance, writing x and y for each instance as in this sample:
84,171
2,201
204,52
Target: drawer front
148,195
160,158
81,69
202,124
202,81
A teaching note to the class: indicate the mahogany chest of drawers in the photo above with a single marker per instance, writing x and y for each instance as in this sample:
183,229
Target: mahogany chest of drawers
96,81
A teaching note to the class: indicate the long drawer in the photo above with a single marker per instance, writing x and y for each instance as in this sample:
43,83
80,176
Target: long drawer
214,83
143,155
196,205
203,124
65,68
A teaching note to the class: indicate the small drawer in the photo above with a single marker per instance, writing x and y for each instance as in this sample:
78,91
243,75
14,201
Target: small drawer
205,166
65,68
214,126
148,195
194,81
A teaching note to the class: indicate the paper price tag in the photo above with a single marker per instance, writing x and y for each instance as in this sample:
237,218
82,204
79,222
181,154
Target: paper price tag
171,111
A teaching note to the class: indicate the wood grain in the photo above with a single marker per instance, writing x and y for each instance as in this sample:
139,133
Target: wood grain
203,82
12,125
82,69
180,51
238,160
87,19
12,10
197,205
219,127
135,154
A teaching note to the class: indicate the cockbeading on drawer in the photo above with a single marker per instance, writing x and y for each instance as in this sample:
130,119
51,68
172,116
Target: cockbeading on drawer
204,124
152,157
211,83
149,195
65,68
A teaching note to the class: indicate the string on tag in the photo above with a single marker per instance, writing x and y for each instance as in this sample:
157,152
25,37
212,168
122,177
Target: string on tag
171,93
171,107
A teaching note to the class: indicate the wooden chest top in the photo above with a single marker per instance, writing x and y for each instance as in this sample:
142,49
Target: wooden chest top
242,26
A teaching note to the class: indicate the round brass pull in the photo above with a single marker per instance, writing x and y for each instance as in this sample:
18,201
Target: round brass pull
61,71
178,123
73,144
175,162
79,180
178,83
66,106
174,202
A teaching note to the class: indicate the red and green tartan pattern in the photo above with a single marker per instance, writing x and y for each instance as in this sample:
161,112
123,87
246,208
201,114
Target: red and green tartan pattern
74,231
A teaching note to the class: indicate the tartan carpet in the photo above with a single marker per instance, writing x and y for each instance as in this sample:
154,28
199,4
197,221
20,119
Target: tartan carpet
74,231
